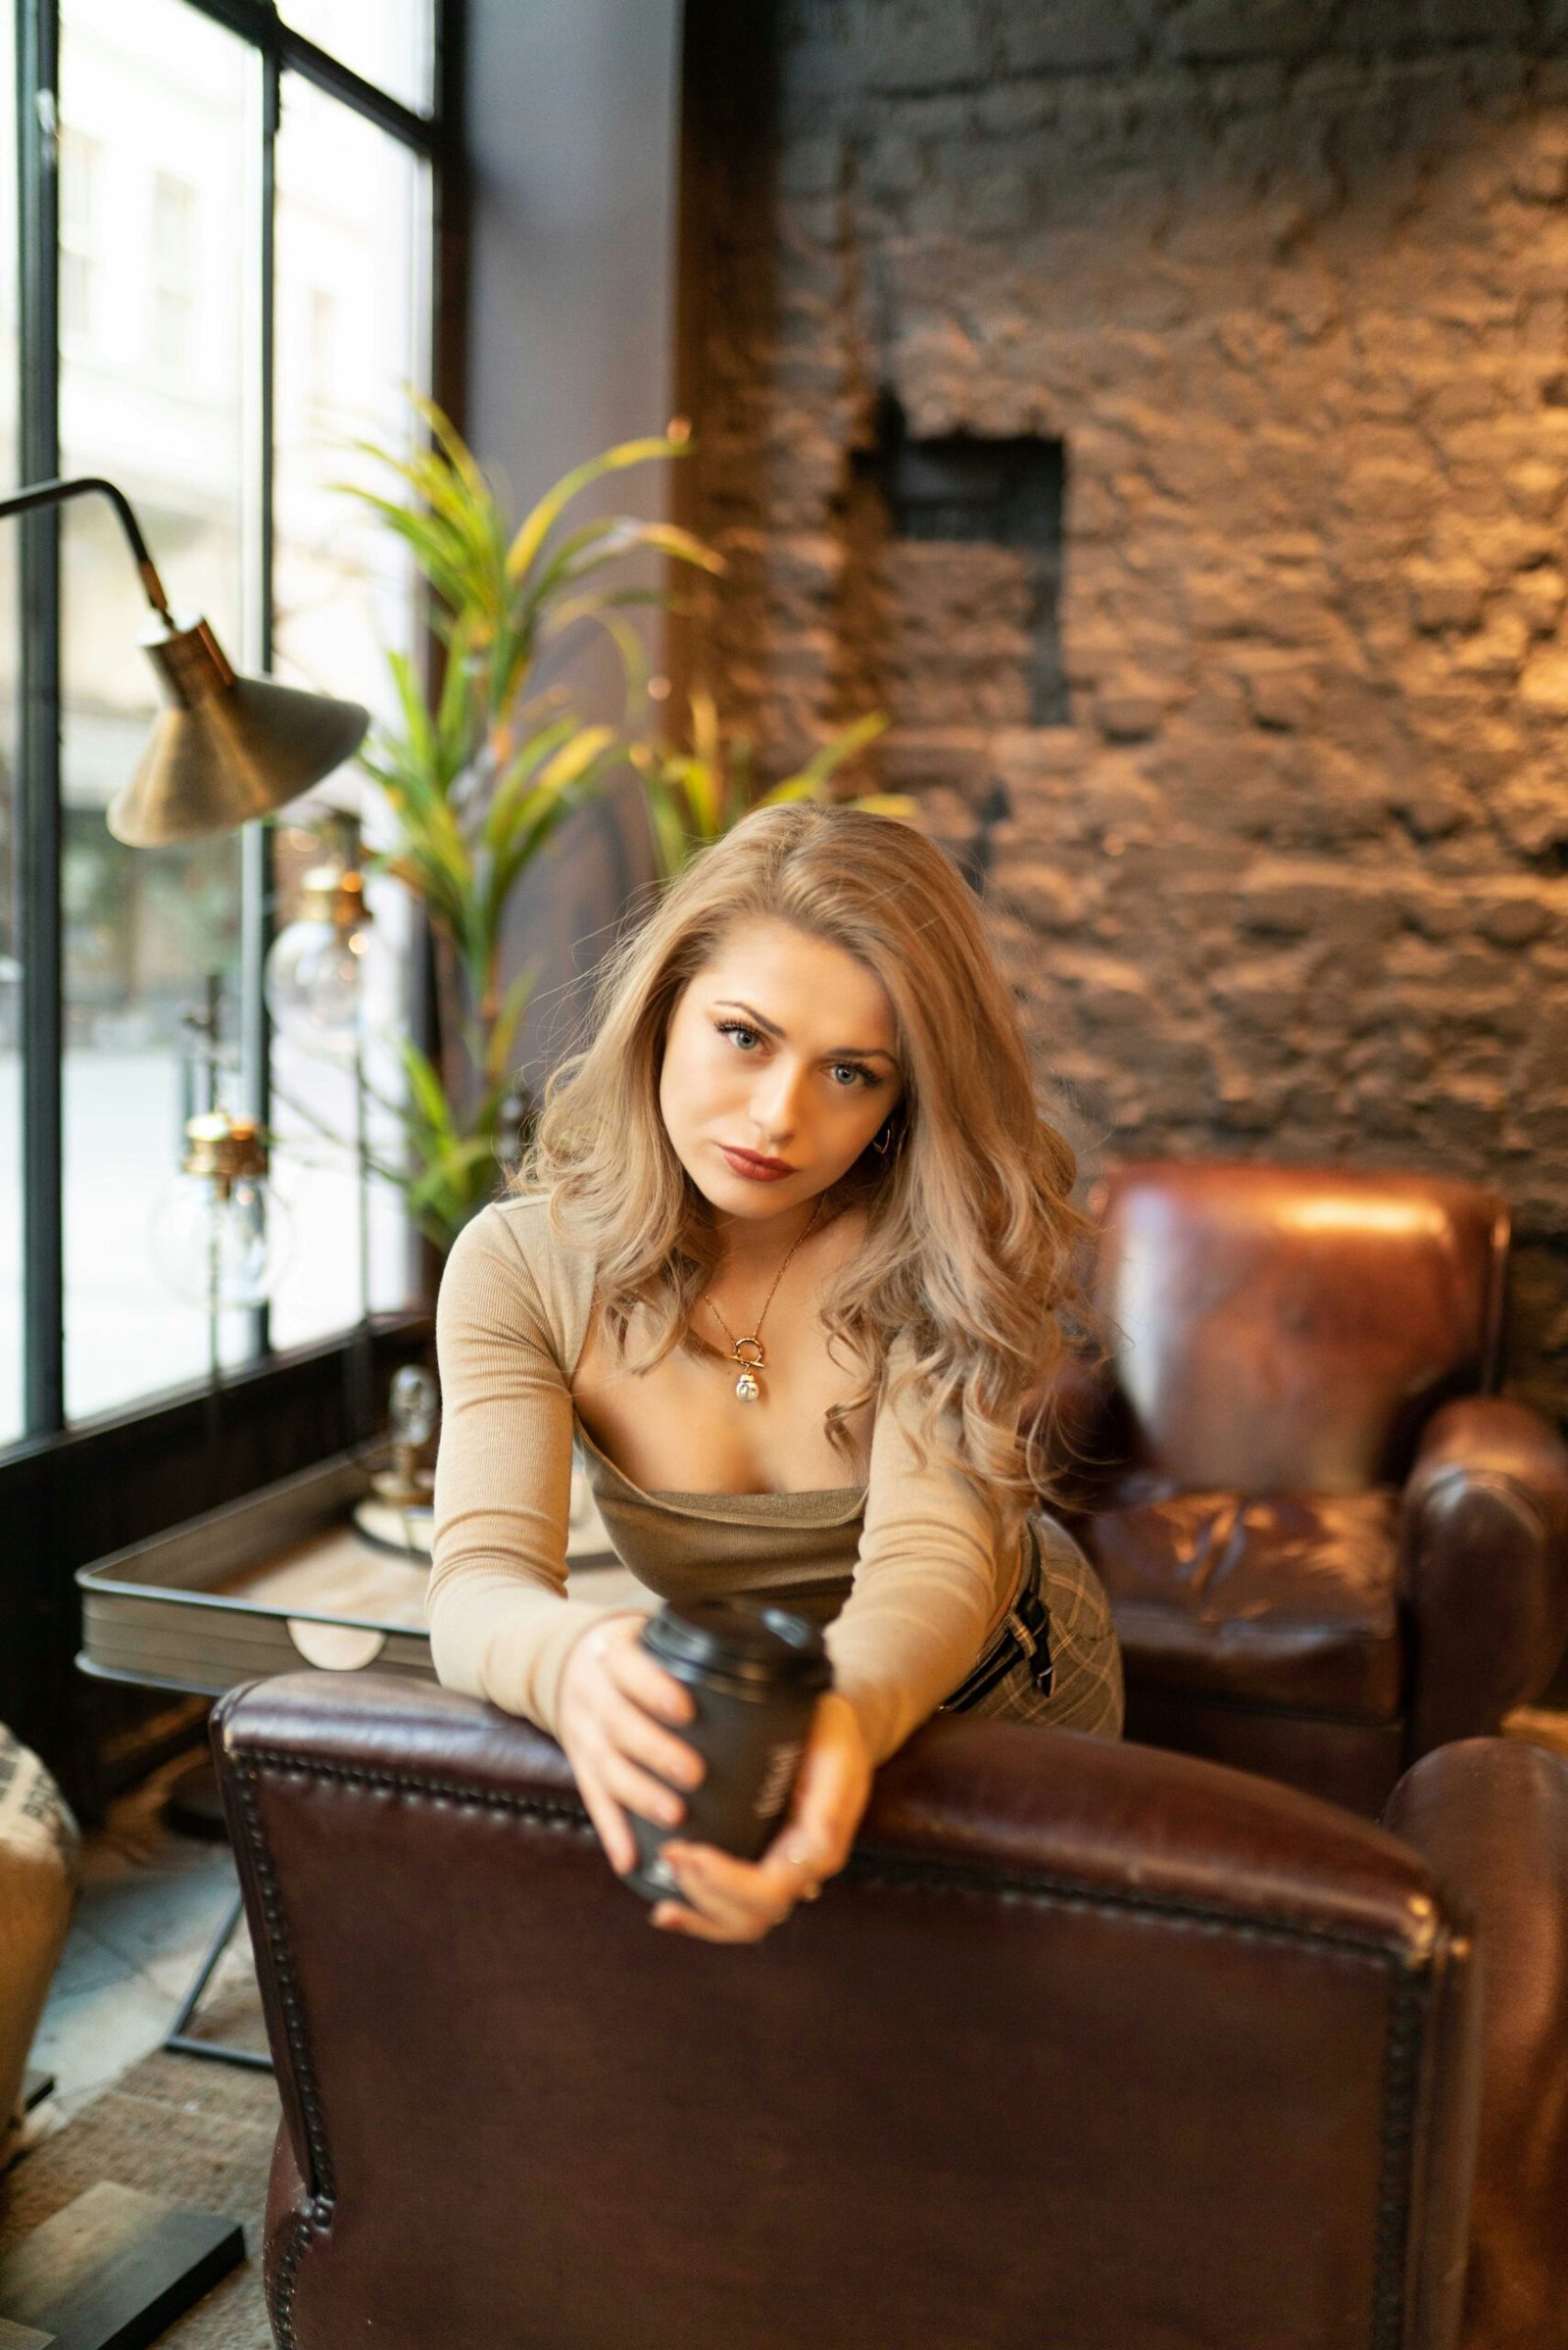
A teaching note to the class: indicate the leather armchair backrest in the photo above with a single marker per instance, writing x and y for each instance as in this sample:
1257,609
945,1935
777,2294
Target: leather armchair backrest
1289,1329
1091,2045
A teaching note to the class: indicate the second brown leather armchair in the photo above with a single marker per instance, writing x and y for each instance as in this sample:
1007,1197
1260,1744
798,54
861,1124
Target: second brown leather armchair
1328,1549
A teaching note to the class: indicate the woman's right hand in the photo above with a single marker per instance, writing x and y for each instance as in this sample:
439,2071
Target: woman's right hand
615,1716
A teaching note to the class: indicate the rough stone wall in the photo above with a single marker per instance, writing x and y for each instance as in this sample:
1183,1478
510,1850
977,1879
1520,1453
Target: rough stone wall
1289,278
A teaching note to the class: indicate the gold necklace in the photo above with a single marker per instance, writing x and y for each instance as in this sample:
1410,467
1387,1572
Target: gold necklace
747,1388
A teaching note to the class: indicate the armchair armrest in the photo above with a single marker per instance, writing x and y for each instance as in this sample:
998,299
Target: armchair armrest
1483,1565
1491,1818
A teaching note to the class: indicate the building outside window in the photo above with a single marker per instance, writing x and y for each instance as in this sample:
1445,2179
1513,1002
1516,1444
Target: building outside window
177,271
79,263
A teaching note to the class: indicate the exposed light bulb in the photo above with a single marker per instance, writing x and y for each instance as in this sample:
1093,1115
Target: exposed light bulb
321,967
217,1237
412,1405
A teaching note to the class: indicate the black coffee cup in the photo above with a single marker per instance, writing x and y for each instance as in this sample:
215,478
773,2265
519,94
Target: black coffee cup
755,1673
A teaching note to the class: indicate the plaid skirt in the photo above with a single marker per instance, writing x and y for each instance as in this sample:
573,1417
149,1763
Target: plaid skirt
1066,1671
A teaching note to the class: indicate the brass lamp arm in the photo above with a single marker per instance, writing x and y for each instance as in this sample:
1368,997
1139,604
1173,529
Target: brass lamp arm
55,492
228,750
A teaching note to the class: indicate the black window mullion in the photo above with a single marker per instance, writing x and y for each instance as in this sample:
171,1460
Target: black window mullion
328,73
256,841
258,22
38,750
450,210
272,103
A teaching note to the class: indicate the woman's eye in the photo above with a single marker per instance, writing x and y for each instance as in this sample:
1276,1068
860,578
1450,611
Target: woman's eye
744,1037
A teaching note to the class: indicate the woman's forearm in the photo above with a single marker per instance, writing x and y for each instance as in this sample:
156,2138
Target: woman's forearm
494,1635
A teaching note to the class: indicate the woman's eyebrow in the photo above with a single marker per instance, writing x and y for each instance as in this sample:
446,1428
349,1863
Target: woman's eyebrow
842,1052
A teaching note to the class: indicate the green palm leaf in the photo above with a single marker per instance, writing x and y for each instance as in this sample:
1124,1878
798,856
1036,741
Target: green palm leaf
538,524
826,762
498,1046
425,1086
478,769
519,783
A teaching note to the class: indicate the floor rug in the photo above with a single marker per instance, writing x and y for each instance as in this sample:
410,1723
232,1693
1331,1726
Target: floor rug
188,2131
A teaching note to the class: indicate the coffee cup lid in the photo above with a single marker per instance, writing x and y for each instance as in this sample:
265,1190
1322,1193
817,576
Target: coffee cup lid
741,1639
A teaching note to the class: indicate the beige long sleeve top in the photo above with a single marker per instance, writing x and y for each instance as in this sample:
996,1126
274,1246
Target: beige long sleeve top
900,1571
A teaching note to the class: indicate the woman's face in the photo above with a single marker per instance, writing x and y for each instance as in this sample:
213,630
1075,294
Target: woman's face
782,1046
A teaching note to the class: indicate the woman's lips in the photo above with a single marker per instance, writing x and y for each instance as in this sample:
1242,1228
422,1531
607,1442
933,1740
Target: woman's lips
757,1170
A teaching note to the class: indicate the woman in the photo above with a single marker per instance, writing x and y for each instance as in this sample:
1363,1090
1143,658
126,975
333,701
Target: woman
787,1257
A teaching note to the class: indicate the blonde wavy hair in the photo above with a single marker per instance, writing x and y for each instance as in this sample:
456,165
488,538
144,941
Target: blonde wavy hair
971,1236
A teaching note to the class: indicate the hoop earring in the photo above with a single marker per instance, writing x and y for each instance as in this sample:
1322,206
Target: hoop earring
880,1147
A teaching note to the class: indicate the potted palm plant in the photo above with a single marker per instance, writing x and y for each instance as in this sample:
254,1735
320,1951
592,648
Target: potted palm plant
476,775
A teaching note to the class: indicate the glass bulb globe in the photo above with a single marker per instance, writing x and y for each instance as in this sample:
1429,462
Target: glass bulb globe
315,981
412,1414
321,969
220,1245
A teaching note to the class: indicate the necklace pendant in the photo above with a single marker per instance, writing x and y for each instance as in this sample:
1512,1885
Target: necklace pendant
748,1352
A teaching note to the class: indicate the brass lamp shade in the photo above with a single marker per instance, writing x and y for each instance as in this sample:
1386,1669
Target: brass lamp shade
229,749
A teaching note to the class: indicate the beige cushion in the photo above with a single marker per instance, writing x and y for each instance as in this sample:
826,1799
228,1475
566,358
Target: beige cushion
40,1845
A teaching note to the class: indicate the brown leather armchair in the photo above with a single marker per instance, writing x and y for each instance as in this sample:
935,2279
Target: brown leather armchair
1091,2045
1327,1552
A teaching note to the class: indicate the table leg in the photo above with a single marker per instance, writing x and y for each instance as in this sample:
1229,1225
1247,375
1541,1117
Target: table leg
180,2039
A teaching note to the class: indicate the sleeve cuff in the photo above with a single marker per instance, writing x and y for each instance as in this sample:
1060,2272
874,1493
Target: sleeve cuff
508,1644
882,1710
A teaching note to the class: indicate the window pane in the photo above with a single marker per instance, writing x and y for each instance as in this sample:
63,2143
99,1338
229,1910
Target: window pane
10,968
156,392
80,233
390,42
353,302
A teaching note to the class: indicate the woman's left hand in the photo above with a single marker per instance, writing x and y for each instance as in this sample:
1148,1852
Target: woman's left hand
736,1900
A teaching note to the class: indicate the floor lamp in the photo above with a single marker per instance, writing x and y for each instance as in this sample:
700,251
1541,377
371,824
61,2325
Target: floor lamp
116,2266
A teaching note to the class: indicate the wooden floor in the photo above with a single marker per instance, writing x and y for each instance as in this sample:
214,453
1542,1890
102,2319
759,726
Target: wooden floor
150,1903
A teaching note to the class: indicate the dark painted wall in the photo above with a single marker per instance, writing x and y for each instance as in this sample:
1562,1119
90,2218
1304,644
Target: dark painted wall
573,134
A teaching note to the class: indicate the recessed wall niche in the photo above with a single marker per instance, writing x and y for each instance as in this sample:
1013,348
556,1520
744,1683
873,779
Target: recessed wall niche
968,489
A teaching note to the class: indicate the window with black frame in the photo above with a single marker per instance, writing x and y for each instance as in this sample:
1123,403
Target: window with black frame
217,282
10,1156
